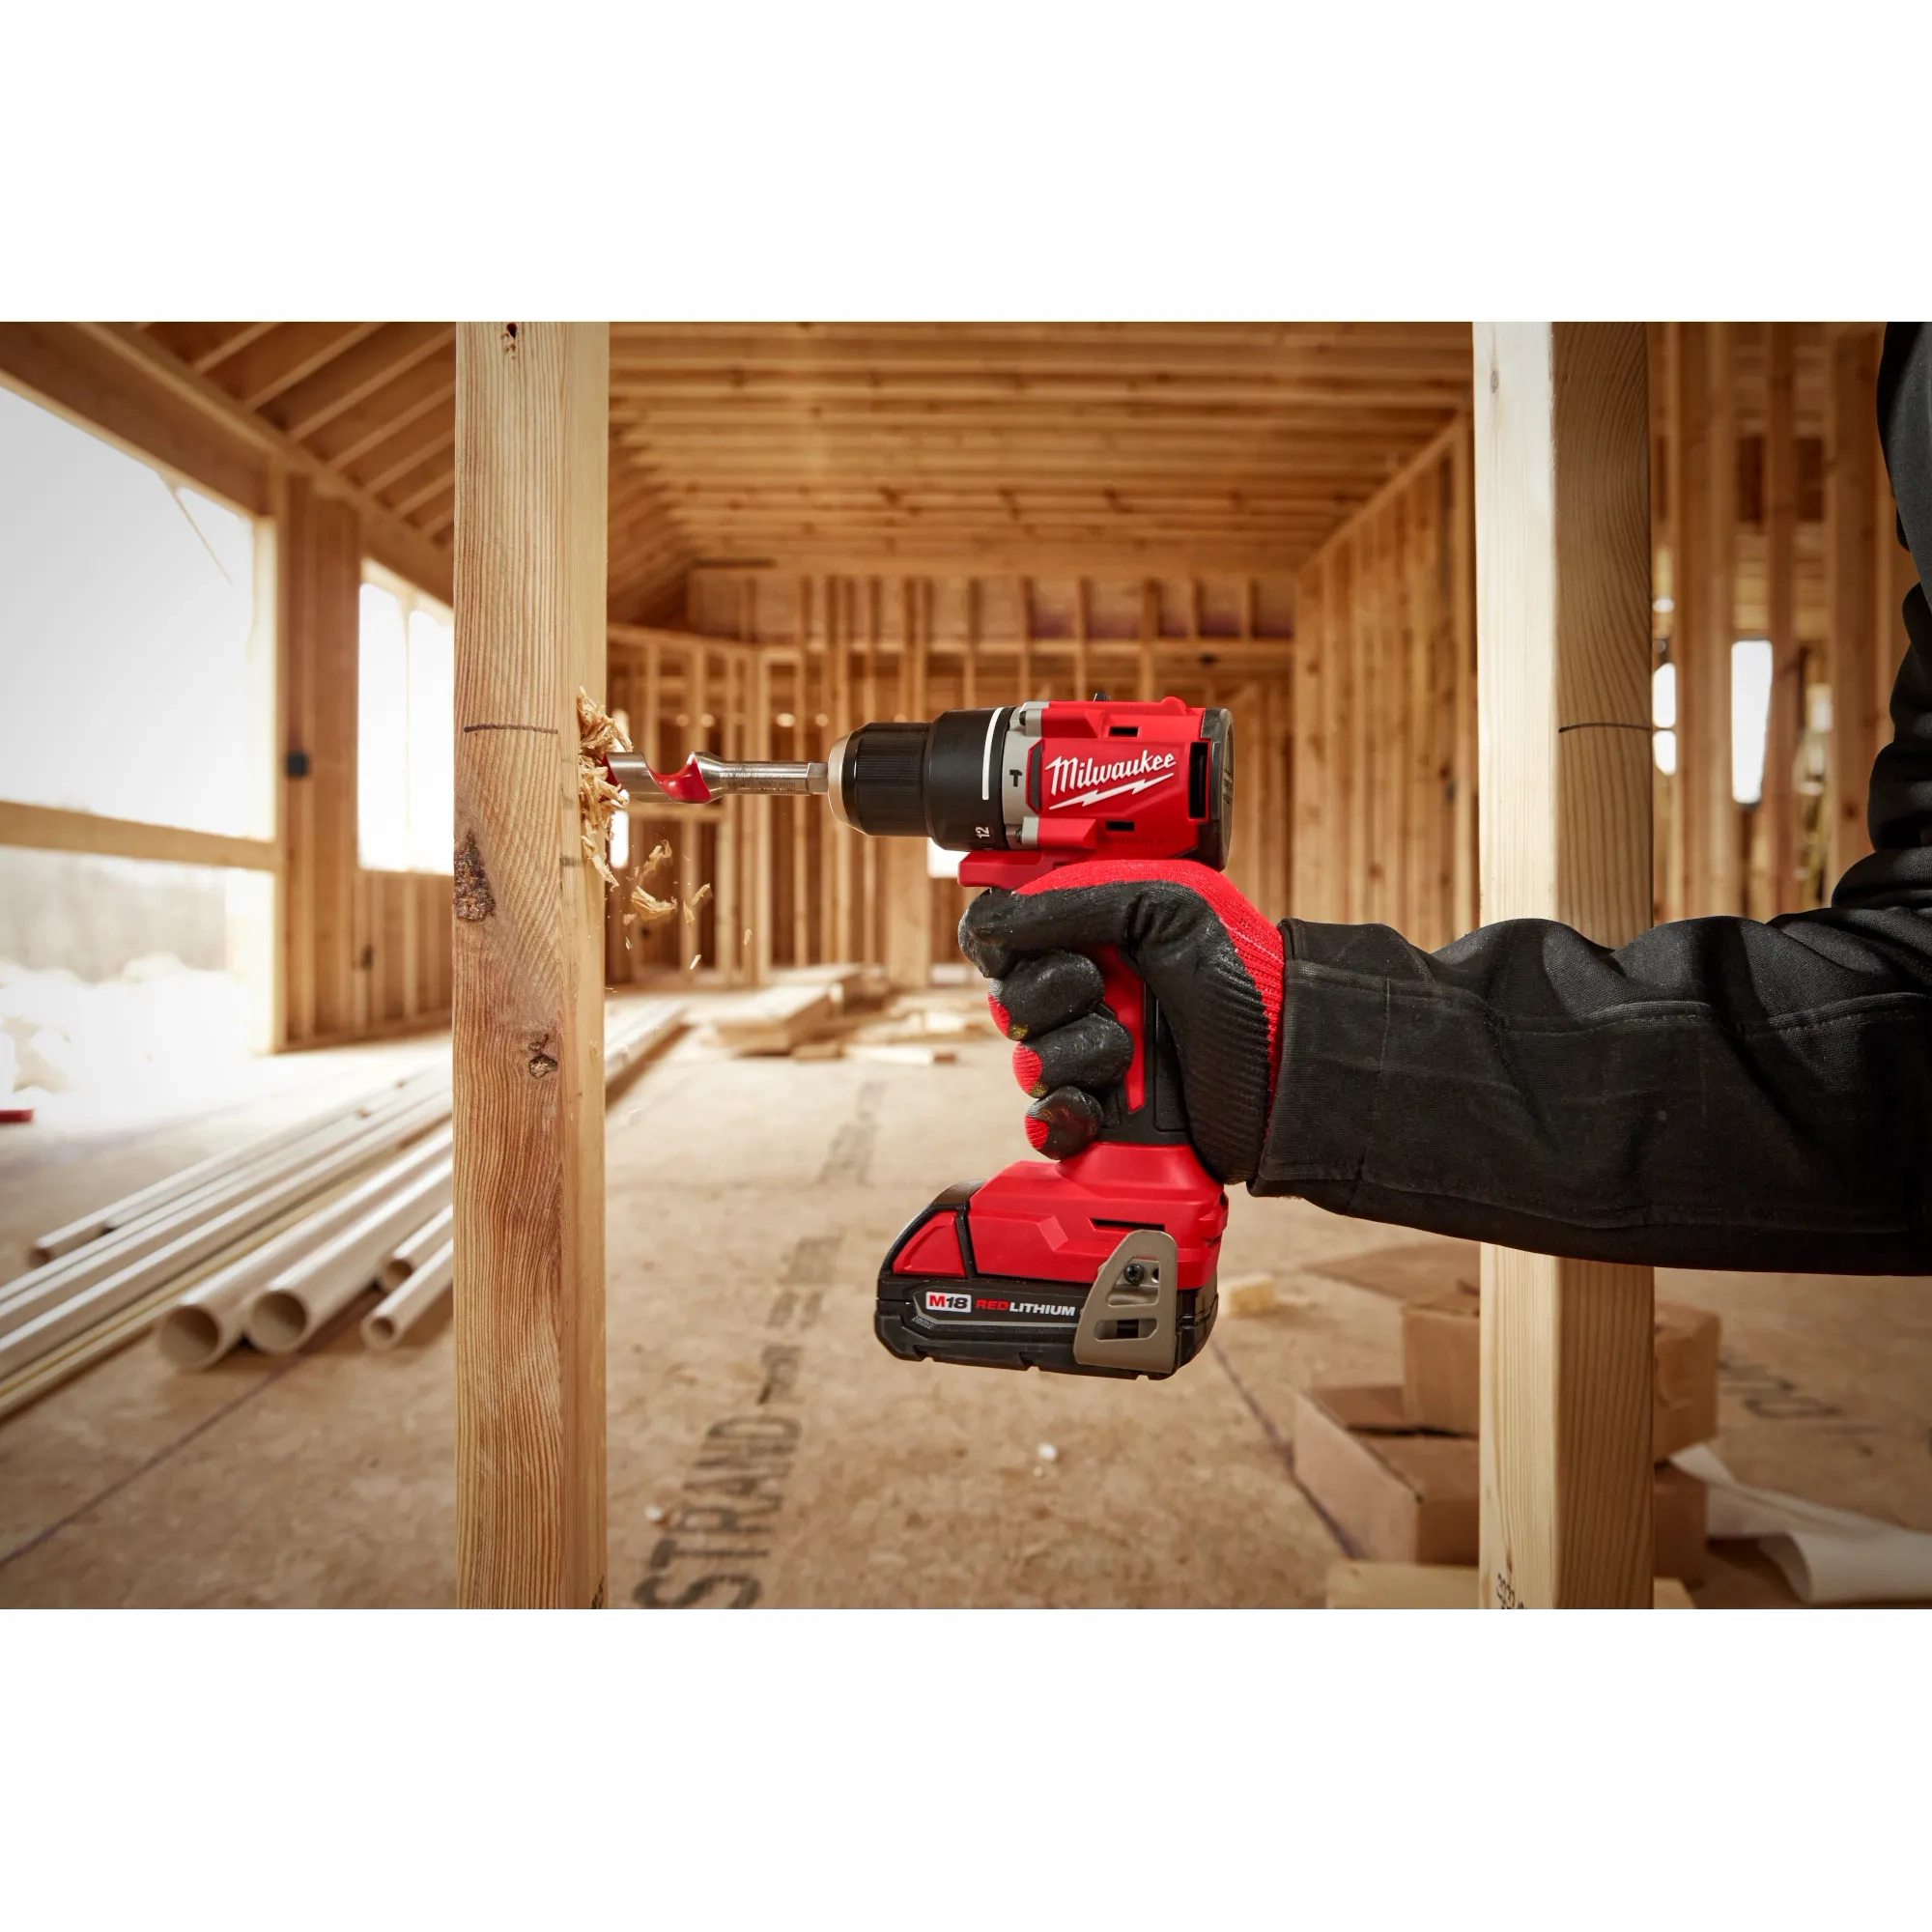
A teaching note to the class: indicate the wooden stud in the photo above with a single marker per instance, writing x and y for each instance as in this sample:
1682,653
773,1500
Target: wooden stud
690,830
727,928
1025,692
1463,619
529,1033
1851,539
1713,821
969,690
801,827
1150,634
1778,803
1563,582
763,911
1083,667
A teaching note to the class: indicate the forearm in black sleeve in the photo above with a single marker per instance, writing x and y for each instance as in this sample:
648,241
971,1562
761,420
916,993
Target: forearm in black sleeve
1717,1093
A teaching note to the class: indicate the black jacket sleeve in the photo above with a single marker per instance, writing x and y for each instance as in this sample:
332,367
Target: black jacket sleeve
1719,1092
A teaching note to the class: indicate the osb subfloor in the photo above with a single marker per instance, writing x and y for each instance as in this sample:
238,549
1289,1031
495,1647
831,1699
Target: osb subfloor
749,1202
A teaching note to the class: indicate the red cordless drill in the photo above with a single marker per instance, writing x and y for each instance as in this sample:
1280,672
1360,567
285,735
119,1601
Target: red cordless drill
1103,1264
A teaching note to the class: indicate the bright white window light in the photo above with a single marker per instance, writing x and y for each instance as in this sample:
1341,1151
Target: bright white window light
940,863
381,733
131,597
1664,716
432,741
405,730
1663,698
1750,716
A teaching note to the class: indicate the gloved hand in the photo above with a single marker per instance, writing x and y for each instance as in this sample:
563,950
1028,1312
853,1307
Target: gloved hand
1214,962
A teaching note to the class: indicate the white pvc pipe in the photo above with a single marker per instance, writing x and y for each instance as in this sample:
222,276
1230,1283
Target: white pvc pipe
173,1188
208,1320
305,1293
202,1237
404,1260
30,1295
402,1308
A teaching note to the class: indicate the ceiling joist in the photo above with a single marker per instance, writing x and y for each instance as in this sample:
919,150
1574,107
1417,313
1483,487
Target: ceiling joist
1085,447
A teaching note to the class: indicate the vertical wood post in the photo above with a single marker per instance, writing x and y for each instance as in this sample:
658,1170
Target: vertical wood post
1462,617
1850,519
1025,692
762,843
1719,857
691,832
1563,587
969,688
1149,632
531,454
1311,860
841,627
1779,802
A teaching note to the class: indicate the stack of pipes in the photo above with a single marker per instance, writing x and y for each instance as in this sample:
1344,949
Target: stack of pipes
269,1243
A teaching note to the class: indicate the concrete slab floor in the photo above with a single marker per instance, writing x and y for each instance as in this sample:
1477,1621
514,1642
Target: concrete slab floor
749,1202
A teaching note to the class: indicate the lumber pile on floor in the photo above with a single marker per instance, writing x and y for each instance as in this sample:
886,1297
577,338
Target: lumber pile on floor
818,1013
1395,1468
800,1006
268,1242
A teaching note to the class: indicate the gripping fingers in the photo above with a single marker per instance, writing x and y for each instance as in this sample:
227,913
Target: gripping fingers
1044,991
1064,1123
1091,1052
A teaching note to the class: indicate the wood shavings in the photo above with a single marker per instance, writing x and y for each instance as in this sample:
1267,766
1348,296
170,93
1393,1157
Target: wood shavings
646,910
661,856
696,900
597,798
695,959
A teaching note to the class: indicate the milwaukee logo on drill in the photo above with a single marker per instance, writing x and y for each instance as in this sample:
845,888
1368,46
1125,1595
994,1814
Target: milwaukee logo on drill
1088,780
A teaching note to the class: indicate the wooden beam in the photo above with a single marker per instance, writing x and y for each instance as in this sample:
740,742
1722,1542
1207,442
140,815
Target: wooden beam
1852,457
49,829
396,349
1779,802
531,451
60,367
397,544
1563,587
1463,622
1715,852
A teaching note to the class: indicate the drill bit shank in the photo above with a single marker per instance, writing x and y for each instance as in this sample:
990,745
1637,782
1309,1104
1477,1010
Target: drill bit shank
704,778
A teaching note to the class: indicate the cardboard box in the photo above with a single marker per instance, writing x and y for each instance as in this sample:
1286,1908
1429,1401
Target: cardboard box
1442,1369
1399,1495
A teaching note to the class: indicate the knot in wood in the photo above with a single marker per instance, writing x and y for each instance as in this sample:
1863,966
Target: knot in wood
542,1063
470,895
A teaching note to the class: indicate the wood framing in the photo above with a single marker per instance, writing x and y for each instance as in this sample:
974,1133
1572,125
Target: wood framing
531,449
1787,695
53,830
1854,475
1563,584
1384,760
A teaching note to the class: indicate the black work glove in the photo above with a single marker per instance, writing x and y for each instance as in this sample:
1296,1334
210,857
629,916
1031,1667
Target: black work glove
1214,965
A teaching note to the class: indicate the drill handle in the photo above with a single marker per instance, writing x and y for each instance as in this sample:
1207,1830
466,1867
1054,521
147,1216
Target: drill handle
1148,1108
